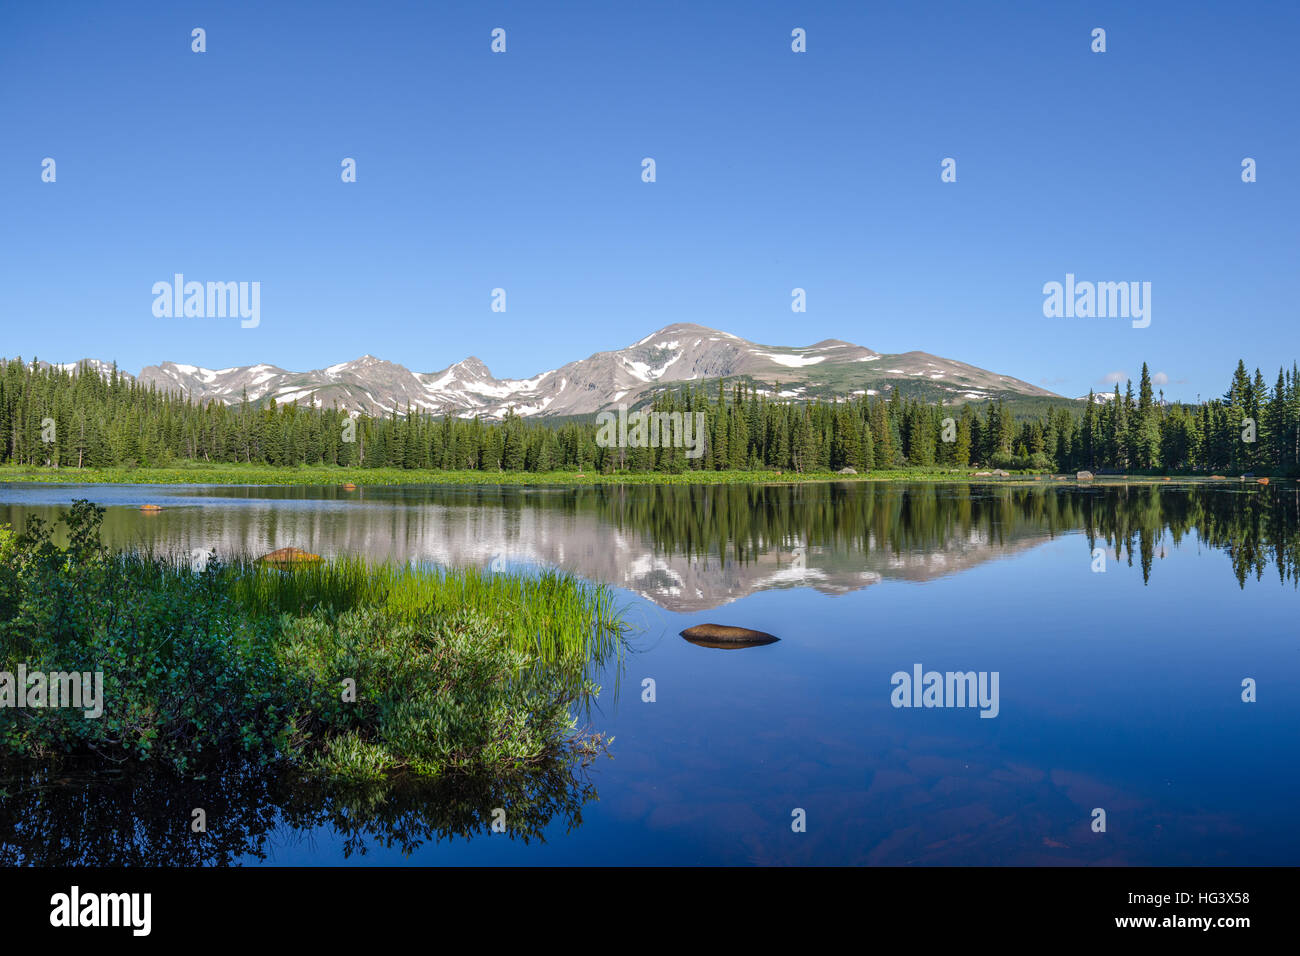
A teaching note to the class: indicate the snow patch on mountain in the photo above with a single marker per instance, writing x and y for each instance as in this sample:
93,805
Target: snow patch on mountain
676,354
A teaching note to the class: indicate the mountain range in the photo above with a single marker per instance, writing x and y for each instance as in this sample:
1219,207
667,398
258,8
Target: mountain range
675,354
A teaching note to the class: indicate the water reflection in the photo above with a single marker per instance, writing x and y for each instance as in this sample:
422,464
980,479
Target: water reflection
1120,690
69,815
691,548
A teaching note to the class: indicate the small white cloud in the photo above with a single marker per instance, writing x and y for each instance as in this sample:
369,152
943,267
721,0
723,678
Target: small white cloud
1112,378
1160,378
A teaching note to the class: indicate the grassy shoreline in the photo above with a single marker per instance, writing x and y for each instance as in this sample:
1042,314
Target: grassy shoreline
325,475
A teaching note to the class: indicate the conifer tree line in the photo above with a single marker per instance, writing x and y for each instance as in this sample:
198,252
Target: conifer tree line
111,420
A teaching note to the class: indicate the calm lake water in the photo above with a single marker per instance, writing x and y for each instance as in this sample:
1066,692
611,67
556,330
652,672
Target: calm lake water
1119,689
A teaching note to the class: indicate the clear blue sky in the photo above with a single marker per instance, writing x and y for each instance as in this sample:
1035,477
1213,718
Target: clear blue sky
775,170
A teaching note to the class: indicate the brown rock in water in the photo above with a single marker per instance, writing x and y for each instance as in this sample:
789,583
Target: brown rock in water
725,637
289,556
151,508
349,486
1261,481
1217,478
1084,476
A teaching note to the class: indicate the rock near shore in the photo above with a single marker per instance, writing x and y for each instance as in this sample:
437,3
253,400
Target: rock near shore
727,637
286,557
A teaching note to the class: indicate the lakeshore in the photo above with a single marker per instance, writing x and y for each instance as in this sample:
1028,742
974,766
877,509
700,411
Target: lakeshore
198,473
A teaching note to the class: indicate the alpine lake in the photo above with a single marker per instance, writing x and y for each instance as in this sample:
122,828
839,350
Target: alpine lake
966,673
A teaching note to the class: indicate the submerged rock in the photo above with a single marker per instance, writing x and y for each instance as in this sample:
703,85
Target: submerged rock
725,637
289,556
151,508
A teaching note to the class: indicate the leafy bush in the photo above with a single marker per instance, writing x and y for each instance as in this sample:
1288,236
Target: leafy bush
184,673
431,697
192,673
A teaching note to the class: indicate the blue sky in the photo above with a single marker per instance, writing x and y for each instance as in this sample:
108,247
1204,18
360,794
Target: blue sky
775,170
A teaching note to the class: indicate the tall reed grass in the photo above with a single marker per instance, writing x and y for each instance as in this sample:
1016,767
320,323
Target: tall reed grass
550,615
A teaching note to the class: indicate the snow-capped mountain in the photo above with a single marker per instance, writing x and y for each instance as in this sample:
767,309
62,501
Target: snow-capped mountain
675,354
105,369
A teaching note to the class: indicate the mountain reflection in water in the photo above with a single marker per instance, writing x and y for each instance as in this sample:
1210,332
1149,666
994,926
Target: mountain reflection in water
692,548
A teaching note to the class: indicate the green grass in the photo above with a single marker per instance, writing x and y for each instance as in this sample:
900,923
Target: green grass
236,474
243,474
551,616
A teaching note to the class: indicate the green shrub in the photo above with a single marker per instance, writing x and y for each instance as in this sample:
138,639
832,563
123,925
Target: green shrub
432,697
200,665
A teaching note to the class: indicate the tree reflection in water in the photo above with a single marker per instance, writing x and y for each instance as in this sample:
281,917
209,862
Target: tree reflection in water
73,816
